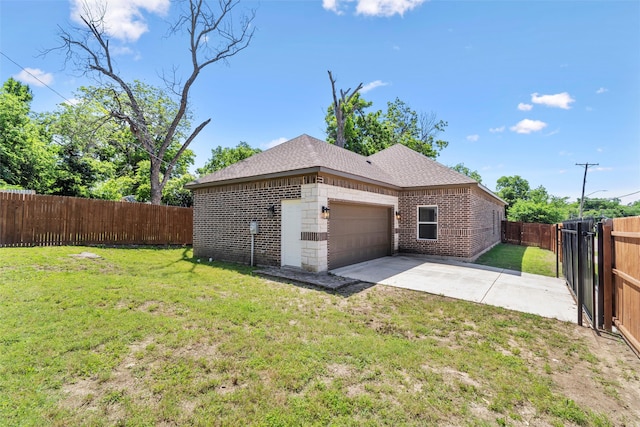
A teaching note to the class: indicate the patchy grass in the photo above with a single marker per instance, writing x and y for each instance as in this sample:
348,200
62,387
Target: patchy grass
152,337
521,258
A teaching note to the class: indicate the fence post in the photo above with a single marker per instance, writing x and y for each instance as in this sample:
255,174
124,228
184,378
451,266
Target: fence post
557,254
580,273
607,273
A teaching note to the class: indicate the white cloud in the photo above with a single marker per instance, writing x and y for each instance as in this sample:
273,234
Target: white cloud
122,50
370,86
274,142
473,138
497,130
123,18
34,77
374,7
553,132
527,126
601,169
331,5
602,90
559,100
524,107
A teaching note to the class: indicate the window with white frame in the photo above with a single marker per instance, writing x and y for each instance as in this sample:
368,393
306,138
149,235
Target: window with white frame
427,222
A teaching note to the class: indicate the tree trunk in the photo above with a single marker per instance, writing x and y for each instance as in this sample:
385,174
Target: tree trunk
156,182
338,108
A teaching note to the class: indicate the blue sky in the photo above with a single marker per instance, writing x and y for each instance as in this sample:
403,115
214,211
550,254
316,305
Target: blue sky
528,88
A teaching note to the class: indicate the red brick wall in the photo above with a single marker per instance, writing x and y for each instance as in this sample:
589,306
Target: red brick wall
468,221
454,207
485,221
222,216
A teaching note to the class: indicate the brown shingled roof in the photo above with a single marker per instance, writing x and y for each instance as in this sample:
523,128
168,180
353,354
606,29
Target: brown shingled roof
412,169
396,166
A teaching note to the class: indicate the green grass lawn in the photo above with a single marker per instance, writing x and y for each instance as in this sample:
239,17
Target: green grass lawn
146,337
521,258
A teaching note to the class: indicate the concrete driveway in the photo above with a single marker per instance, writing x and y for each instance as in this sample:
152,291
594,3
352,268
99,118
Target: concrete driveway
528,293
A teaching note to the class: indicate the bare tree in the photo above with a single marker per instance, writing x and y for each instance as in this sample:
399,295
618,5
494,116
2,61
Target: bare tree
339,105
212,38
430,126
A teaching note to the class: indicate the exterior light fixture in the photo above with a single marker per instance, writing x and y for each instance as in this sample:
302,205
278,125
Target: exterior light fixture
272,210
398,216
325,212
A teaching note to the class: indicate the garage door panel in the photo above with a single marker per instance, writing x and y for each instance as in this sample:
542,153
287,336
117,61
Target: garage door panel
358,233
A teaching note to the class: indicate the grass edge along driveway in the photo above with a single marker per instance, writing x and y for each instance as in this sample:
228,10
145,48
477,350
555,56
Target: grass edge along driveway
148,337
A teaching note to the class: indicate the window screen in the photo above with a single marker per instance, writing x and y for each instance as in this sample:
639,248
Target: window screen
427,222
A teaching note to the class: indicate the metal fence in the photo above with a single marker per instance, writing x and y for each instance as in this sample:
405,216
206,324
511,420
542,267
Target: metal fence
578,266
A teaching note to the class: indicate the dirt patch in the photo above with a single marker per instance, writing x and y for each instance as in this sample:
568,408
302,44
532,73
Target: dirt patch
85,255
105,394
610,384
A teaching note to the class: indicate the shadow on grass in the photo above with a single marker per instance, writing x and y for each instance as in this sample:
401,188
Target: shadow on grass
297,278
344,291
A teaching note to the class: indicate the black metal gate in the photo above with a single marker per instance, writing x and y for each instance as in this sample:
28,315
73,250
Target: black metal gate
578,264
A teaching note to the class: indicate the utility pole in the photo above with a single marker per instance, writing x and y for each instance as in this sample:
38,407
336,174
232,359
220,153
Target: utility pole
584,182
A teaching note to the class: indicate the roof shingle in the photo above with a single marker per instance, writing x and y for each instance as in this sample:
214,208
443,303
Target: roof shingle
397,166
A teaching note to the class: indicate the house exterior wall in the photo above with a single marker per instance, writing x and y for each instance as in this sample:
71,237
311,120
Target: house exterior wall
468,221
468,218
315,251
485,221
222,215
454,220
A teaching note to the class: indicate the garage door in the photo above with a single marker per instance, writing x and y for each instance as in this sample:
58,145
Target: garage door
358,233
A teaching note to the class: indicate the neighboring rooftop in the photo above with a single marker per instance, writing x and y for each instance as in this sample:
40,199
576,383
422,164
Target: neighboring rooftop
396,166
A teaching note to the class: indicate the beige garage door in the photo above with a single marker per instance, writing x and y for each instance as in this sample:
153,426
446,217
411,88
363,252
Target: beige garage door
358,233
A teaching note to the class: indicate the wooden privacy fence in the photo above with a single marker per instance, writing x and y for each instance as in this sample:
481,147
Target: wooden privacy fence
529,234
37,220
620,277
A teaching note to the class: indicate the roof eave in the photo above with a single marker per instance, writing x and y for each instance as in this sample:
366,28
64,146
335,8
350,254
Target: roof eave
295,172
359,178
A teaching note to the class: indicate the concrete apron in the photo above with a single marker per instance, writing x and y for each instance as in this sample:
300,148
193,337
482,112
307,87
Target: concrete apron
528,293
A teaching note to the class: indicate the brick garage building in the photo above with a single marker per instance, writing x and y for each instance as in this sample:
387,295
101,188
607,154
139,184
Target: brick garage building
319,207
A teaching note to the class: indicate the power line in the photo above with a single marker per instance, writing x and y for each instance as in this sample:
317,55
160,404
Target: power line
35,77
71,102
625,195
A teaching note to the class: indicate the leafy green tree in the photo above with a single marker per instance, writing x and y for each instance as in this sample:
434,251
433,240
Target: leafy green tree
536,211
512,189
26,161
159,119
605,208
175,194
367,132
531,205
473,174
83,157
221,157
99,156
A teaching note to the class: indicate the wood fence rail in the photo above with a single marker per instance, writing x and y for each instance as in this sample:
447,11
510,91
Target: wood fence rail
621,276
37,220
530,234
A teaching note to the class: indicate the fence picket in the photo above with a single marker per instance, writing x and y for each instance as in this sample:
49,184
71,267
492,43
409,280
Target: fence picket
38,220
